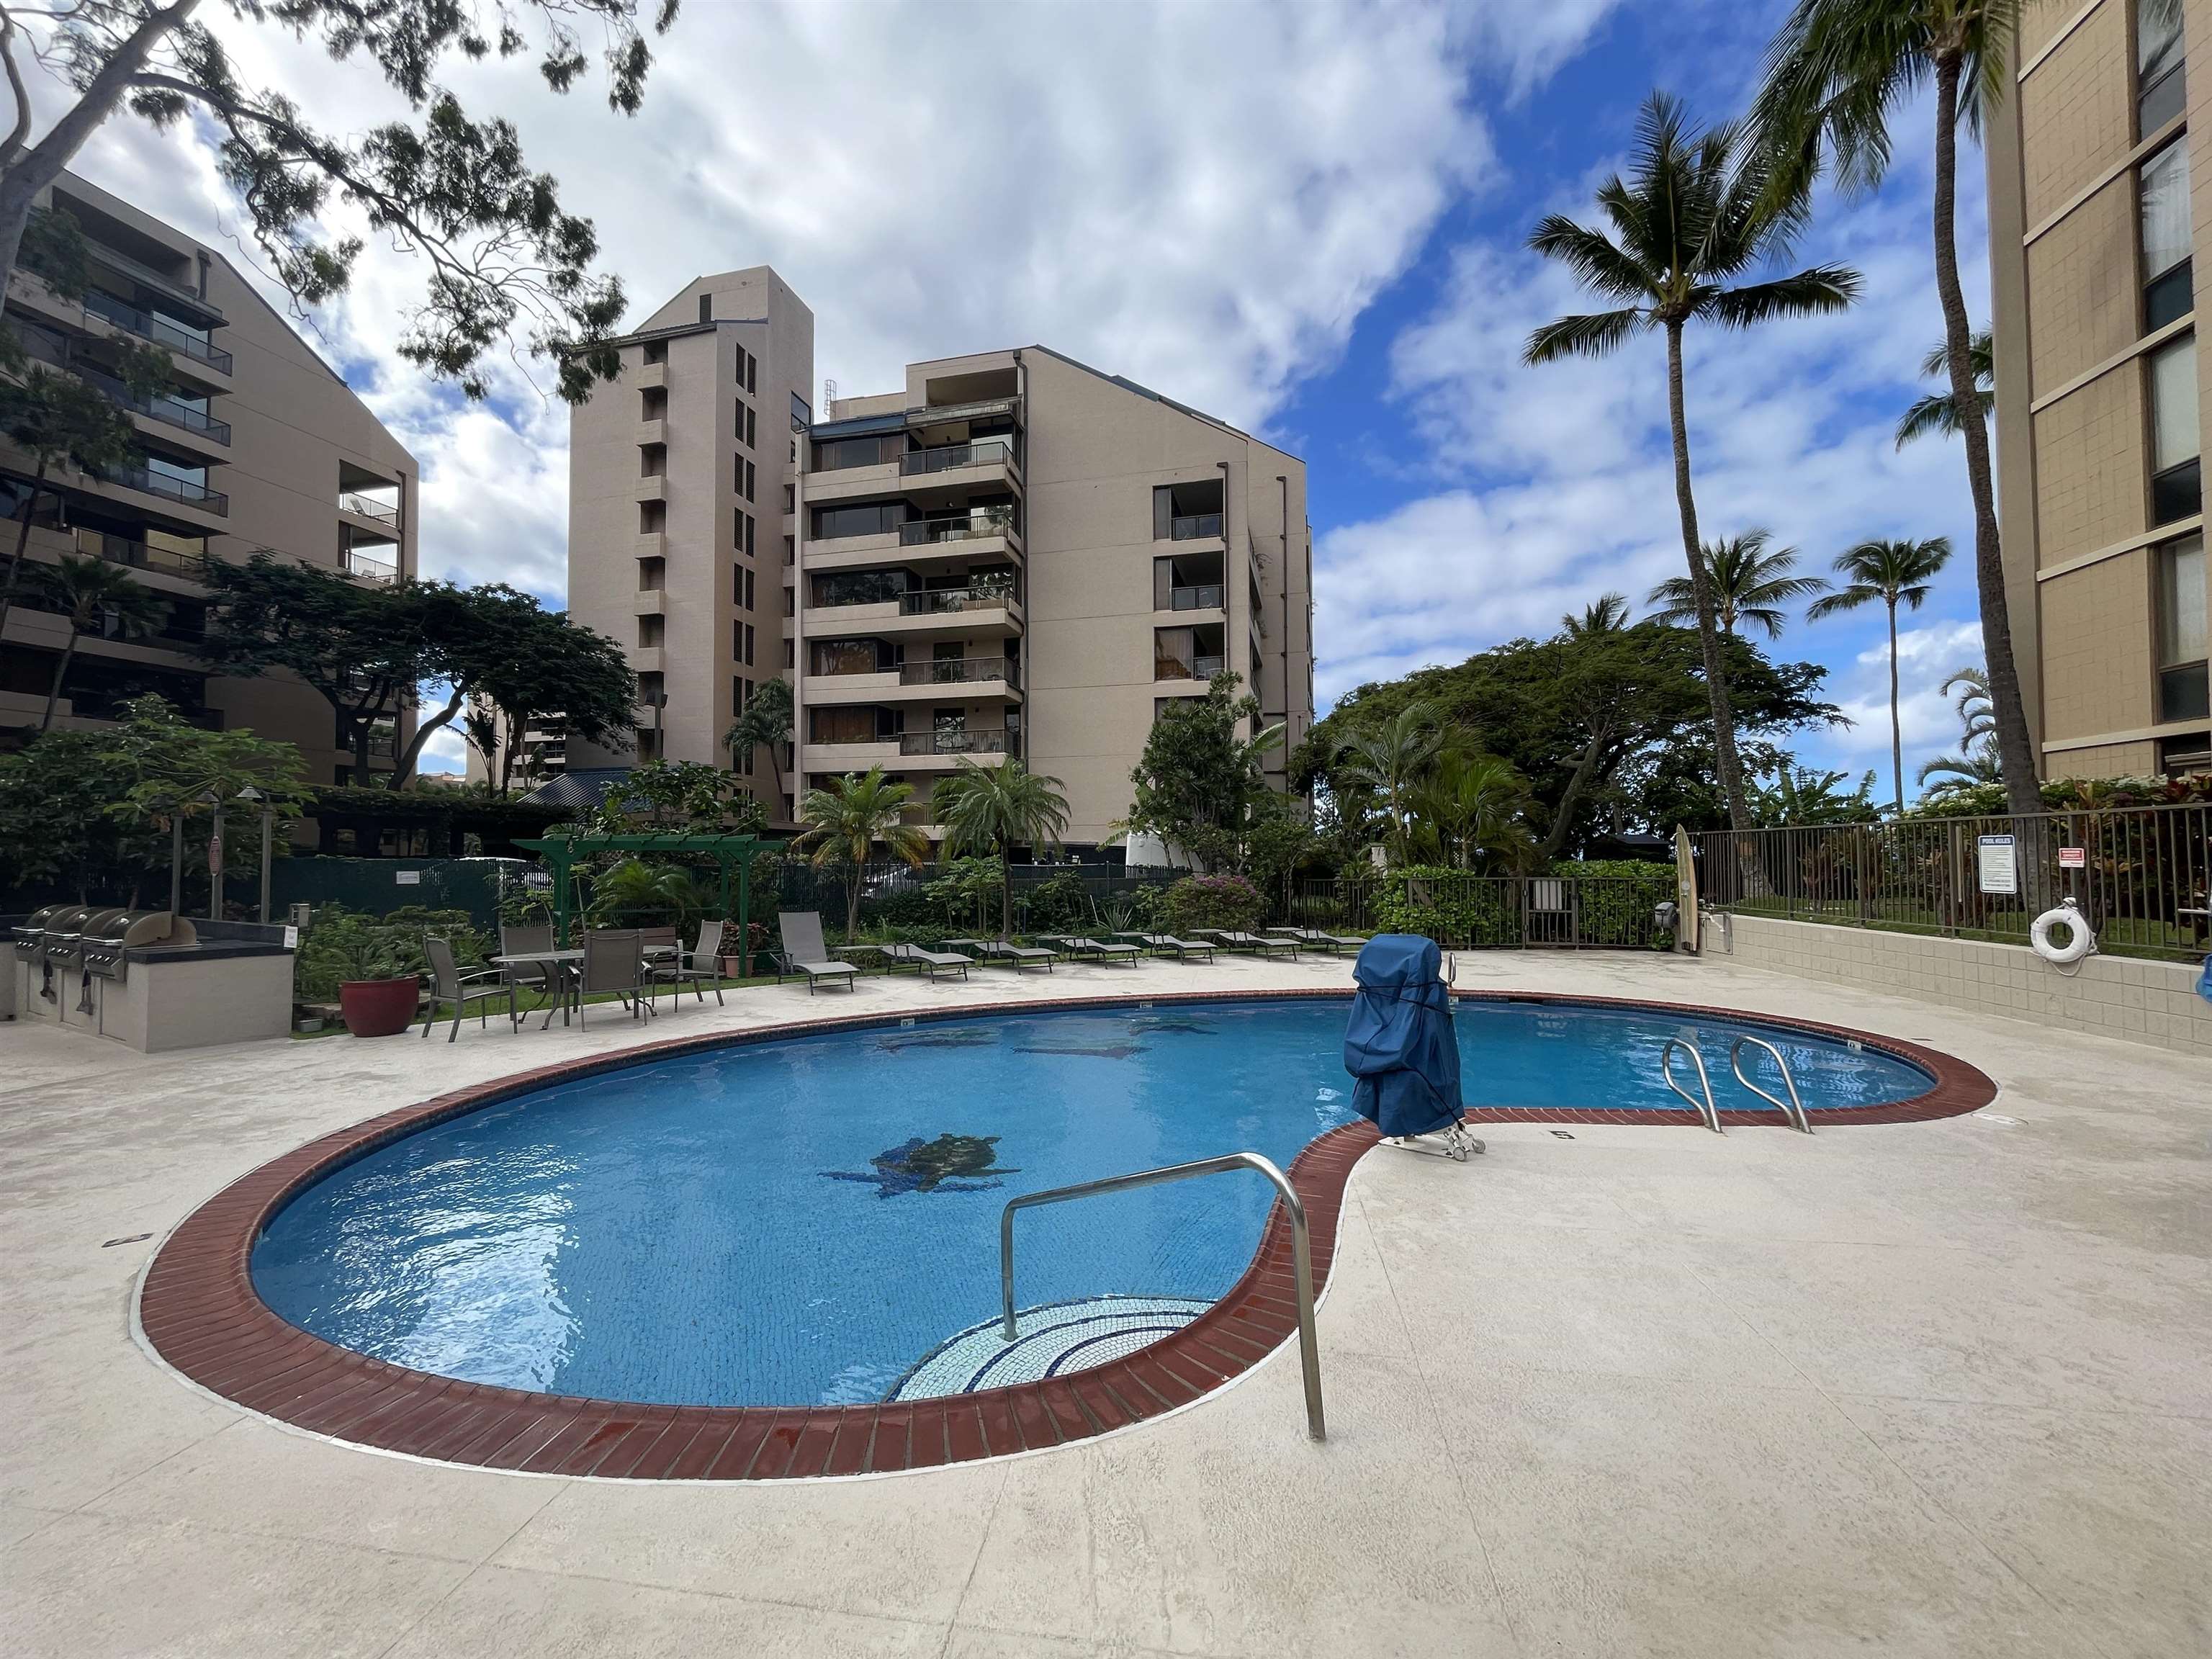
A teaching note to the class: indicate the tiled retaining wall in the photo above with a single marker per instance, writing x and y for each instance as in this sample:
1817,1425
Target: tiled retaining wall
2153,1002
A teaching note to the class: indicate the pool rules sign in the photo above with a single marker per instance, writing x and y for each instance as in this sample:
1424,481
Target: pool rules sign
1997,859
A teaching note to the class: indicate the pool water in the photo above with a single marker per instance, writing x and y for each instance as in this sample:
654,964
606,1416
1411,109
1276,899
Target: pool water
807,1221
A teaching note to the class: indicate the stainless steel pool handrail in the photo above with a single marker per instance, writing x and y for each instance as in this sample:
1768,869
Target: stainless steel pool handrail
1793,1108
1301,1247
1705,1109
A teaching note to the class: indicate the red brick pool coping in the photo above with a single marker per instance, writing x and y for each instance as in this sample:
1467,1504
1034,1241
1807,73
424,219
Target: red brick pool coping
198,1308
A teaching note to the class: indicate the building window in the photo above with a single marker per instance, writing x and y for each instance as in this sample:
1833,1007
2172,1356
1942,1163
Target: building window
752,429
746,586
870,519
653,403
656,351
652,461
2167,291
753,373
744,474
2162,87
652,576
790,653
652,518
2182,689
1185,511
2176,490
651,631
741,532
706,307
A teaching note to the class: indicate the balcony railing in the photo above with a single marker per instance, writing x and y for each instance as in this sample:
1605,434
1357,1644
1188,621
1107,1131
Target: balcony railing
938,601
966,671
121,549
158,407
953,743
367,507
920,532
379,571
147,326
1188,526
1194,668
1204,597
985,452
189,491
168,281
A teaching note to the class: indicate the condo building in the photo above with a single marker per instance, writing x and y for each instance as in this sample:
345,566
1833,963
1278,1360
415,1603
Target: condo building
1010,555
2100,388
257,445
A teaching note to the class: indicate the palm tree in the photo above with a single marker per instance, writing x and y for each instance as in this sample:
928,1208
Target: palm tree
1894,573
1389,762
1939,411
1834,75
1800,795
765,723
1696,214
991,808
1473,806
1608,616
86,591
1972,686
1749,583
846,818
1979,764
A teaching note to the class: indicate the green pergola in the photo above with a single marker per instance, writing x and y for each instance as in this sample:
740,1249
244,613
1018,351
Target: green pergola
562,852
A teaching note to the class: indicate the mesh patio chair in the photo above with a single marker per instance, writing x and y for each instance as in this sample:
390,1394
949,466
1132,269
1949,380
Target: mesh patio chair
612,962
803,952
449,984
701,963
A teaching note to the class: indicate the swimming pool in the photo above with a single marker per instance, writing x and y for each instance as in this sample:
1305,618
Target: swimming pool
812,1221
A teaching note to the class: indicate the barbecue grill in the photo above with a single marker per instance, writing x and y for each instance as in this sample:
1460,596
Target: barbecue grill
107,936
31,946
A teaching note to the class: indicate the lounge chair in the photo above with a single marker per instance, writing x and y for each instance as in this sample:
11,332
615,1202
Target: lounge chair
804,953
1077,945
612,961
449,984
1313,937
1168,944
1236,940
931,962
1022,956
702,964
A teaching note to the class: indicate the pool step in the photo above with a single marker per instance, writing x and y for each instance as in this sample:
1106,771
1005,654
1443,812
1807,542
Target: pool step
1056,1339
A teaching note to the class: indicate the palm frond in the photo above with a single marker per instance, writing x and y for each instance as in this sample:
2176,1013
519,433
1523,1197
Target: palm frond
1599,265
1816,292
1597,335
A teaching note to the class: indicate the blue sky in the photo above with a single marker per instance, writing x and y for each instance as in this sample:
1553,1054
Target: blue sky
1307,219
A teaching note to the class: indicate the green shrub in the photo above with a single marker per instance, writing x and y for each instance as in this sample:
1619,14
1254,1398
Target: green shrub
1449,906
1057,904
1225,901
340,945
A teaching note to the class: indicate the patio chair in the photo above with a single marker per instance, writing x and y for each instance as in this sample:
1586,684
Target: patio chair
1077,945
1236,940
612,962
1022,956
546,978
1166,945
803,952
931,962
449,984
701,963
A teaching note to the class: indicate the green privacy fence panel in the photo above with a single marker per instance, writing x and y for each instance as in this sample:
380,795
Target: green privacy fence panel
377,887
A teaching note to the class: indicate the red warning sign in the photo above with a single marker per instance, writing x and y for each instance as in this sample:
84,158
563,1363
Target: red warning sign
2072,858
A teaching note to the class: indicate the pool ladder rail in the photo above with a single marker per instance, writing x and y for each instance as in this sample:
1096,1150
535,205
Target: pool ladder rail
1792,1109
1301,1248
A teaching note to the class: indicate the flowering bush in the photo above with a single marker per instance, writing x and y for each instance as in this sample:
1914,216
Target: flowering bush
1226,901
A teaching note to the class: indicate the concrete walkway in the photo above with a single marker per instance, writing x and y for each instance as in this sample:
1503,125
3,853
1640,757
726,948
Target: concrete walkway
1940,1388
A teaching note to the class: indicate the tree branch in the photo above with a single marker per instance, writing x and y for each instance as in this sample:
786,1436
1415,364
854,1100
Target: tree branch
42,164
22,129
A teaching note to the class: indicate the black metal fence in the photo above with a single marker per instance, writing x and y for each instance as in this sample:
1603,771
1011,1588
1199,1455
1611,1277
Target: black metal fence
1472,912
2138,875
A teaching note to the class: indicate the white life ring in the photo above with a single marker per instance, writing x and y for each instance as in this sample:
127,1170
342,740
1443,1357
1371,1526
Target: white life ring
2079,942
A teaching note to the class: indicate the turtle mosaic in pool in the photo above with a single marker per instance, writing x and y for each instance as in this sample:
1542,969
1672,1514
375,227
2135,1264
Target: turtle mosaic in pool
814,1220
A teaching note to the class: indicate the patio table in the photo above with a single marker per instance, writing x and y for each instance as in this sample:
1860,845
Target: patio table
560,962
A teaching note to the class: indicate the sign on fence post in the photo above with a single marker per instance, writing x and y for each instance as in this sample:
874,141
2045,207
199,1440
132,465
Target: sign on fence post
2072,858
1998,861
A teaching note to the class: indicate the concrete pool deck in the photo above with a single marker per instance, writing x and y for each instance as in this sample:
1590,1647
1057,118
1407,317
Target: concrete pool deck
1940,1388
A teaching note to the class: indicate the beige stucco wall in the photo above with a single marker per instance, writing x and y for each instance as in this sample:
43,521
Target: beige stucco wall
2148,1002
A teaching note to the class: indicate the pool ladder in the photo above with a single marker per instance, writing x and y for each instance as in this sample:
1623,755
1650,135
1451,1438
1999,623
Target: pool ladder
1792,1109
1301,1247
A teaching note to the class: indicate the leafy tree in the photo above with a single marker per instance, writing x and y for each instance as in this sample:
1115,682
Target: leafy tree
1836,73
1800,795
1939,411
455,191
1750,582
1889,572
1696,214
1608,616
1390,762
671,796
1199,782
847,818
86,592
498,644
764,723
987,809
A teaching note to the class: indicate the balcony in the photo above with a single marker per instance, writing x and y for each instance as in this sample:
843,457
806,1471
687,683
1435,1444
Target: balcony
367,507
169,410
992,742
953,458
969,527
963,671
190,491
382,571
1207,596
122,314
1187,668
166,281
949,601
138,556
1189,526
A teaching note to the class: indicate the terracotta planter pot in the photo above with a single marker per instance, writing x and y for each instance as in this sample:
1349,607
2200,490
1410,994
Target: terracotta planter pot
379,1007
